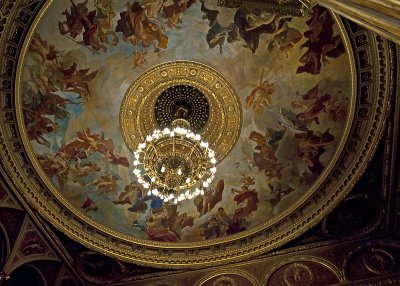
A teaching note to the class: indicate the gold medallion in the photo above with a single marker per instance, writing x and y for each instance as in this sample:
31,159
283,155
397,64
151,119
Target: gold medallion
201,93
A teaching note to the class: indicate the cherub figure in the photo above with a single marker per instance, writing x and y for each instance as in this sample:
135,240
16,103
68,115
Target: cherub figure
37,126
139,59
107,184
73,21
260,96
80,170
139,29
89,205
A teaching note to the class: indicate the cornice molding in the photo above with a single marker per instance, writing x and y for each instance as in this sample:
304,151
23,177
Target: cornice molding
380,16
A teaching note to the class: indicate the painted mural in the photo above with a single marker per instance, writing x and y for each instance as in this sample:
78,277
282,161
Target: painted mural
292,76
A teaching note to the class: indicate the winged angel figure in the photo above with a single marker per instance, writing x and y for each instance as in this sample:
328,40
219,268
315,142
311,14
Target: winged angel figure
211,197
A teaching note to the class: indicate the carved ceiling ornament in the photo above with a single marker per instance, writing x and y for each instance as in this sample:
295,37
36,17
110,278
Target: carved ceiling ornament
371,259
303,270
224,281
298,274
219,123
368,109
378,261
364,212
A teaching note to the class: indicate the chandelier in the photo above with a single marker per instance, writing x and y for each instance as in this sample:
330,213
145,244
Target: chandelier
174,163
179,119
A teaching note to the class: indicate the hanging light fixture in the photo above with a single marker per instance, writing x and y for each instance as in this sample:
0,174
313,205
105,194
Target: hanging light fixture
174,163
180,119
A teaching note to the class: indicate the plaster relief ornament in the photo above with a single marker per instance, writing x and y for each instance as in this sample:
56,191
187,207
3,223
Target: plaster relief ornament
298,274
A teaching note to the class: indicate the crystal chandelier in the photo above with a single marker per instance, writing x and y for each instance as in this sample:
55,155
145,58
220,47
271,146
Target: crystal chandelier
174,163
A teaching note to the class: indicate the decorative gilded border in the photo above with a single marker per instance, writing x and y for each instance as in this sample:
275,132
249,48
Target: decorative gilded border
373,63
224,124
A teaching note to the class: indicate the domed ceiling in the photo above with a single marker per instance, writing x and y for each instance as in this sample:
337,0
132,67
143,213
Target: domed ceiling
294,81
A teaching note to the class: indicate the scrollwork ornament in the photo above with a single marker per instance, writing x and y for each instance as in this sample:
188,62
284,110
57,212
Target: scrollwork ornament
378,261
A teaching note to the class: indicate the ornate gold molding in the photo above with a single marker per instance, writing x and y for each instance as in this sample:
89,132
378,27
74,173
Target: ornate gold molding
380,16
388,7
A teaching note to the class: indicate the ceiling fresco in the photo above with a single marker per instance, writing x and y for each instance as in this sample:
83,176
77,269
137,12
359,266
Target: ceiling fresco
293,78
